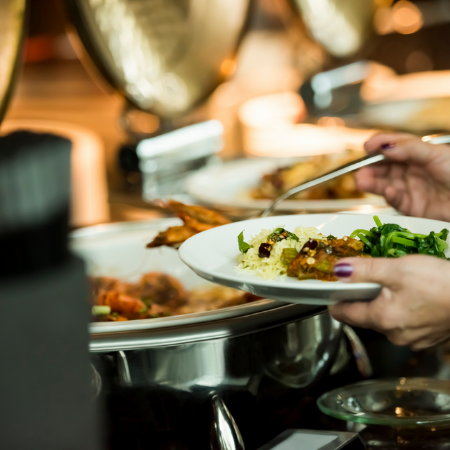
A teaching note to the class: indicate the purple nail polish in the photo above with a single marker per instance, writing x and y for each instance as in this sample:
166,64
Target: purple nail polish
388,145
343,270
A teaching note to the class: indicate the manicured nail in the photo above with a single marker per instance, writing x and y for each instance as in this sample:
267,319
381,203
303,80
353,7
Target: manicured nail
388,145
343,270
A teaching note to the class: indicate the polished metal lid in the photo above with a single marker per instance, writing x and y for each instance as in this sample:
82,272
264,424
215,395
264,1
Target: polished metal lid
341,27
12,18
165,56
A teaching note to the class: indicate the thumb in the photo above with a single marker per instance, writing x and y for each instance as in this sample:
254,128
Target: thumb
368,270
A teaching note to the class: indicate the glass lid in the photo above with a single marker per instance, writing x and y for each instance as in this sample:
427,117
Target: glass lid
12,17
165,56
400,402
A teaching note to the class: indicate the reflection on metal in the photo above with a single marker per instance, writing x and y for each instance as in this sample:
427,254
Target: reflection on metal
304,354
12,16
123,370
359,352
342,358
225,434
342,27
437,139
164,55
96,381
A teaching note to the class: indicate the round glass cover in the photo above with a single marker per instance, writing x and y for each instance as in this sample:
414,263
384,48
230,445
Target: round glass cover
399,402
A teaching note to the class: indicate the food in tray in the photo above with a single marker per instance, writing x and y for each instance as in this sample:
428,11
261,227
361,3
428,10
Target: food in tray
274,184
157,295
196,219
307,254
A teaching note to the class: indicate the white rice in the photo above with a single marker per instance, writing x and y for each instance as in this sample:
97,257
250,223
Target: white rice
272,267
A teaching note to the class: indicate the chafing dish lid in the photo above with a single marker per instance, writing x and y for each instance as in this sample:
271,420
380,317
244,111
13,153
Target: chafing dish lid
164,56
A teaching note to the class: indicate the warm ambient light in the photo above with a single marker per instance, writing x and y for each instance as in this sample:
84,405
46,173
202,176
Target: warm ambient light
271,128
404,18
228,67
389,87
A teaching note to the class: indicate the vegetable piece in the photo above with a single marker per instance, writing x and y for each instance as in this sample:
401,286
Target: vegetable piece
324,266
377,221
330,237
288,255
264,250
243,246
280,233
100,310
359,231
306,276
392,241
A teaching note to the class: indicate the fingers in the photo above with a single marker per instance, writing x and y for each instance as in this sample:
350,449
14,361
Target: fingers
356,314
376,141
368,270
406,148
373,179
378,314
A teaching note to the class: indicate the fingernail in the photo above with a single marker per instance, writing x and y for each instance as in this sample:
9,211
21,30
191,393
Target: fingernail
388,145
343,270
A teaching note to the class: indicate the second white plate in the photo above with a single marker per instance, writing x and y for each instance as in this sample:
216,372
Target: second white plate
228,186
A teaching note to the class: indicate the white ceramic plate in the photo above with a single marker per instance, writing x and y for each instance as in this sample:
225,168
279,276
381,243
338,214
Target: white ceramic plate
118,250
228,186
212,254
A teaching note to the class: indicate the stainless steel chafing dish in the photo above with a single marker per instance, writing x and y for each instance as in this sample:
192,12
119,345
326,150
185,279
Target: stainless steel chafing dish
239,362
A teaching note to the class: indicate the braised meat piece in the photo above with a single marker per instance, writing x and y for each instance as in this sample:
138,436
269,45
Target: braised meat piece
161,289
317,261
196,219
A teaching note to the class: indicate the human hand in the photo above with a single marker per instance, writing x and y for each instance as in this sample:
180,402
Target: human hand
415,180
413,307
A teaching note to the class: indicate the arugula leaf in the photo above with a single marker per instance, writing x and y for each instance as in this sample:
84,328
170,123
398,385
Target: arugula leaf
243,246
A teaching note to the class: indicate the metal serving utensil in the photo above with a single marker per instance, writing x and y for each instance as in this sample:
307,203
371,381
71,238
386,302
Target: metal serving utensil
346,168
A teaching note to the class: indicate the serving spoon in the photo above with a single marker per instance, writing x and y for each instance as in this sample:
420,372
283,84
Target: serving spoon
346,168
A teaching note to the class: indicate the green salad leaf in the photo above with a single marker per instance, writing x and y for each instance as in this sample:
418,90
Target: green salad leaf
390,240
243,246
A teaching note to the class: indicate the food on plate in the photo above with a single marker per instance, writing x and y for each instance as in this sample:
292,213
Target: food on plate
157,295
307,254
265,254
196,219
274,184
392,241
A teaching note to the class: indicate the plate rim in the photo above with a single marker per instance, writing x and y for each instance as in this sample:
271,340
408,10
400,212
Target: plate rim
260,282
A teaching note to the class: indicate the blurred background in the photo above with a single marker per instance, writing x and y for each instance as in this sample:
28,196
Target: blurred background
223,103
353,66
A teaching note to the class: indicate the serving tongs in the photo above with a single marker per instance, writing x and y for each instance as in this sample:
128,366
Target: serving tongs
373,158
